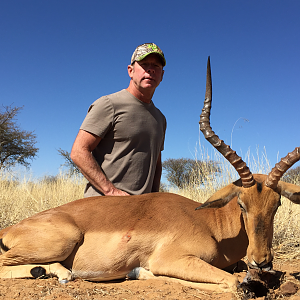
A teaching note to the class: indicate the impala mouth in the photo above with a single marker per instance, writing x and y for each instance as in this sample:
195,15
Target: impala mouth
268,268
263,268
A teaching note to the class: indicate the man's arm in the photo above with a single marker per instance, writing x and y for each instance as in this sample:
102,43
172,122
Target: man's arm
157,176
82,156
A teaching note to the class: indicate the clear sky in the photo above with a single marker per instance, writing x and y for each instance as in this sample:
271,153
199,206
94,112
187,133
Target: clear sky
57,57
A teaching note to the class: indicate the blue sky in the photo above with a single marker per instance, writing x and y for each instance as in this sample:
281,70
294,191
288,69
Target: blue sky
57,57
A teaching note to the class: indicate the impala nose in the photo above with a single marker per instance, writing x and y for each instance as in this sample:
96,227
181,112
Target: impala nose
260,259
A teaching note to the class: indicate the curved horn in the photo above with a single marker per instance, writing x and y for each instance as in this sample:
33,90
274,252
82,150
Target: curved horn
281,167
225,150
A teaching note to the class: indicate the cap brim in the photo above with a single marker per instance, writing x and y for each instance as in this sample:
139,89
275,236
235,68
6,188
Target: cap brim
154,52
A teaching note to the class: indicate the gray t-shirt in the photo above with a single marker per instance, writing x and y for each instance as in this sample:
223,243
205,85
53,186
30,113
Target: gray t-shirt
132,136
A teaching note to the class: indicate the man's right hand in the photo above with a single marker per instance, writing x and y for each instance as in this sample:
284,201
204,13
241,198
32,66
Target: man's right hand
117,192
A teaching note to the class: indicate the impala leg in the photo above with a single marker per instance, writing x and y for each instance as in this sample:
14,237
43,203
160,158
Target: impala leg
200,273
28,248
40,240
36,271
143,274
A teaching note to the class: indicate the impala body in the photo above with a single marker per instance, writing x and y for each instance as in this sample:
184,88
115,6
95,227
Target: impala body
158,235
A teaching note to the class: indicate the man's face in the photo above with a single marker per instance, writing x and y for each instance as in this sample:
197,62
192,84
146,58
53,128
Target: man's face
147,73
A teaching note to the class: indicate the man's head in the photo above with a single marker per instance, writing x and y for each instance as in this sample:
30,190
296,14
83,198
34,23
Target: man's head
146,71
144,50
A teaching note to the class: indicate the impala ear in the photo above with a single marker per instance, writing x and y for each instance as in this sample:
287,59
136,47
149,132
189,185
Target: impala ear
290,191
217,203
223,196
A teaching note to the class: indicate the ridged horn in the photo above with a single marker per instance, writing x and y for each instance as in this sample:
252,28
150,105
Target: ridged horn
236,161
281,167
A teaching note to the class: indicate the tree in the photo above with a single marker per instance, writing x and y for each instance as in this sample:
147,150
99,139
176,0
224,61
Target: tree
69,164
16,146
292,175
183,171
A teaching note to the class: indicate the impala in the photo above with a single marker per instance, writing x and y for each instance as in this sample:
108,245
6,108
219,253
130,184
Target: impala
158,235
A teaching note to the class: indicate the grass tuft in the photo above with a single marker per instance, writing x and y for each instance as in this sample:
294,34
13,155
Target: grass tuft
22,197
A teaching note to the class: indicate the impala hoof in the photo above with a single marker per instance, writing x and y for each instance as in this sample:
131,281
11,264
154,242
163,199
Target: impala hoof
38,272
134,274
63,281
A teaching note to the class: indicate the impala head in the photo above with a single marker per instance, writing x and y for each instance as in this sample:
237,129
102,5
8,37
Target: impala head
257,195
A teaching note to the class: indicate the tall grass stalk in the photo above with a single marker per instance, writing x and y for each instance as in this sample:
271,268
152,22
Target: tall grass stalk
23,197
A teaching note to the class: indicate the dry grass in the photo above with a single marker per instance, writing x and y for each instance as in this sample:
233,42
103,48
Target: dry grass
287,229
23,197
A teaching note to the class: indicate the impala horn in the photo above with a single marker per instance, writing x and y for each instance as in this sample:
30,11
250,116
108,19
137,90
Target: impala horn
281,167
236,161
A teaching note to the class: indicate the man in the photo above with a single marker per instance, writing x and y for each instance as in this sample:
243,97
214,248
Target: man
118,147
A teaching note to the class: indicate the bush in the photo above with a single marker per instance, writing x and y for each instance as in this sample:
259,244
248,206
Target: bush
183,171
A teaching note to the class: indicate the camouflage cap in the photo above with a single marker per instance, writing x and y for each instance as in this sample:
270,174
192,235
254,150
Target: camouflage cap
145,49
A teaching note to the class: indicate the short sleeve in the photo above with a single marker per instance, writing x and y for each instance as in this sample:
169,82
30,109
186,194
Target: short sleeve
99,118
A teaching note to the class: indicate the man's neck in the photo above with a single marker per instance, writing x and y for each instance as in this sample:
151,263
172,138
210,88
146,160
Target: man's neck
144,96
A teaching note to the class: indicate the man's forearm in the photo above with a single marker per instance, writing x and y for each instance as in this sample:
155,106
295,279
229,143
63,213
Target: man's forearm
82,156
93,173
90,169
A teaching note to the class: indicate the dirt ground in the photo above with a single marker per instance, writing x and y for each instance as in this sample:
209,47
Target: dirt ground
288,287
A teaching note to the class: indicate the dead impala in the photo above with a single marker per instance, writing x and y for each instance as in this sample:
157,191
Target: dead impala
158,235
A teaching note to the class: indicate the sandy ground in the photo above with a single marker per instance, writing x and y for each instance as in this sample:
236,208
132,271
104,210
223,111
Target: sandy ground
288,287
